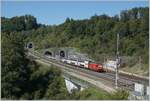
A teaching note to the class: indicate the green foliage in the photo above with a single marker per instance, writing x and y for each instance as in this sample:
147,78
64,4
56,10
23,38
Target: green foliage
94,94
25,79
96,36
21,23
120,95
22,78
48,84
98,94
15,66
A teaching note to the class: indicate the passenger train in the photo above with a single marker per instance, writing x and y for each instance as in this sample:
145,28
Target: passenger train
83,64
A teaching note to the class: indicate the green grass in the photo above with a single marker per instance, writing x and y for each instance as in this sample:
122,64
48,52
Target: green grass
94,94
136,69
99,94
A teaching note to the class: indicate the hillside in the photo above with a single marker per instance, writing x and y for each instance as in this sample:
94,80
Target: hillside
95,36
23,78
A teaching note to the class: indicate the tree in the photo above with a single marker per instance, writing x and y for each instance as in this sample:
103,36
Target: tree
21,23
124,16
30,22
21,77
15,69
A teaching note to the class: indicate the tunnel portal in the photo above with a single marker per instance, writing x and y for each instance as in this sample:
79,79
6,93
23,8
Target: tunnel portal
30,45
62,54
47,53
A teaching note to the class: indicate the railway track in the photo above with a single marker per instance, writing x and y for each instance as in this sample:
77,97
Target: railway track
131,78
123,82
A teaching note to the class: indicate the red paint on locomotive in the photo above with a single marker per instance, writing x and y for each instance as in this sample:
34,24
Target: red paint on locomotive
95,67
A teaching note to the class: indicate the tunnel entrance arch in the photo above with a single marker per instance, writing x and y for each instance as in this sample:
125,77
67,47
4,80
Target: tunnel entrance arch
62,53
48,53
30,45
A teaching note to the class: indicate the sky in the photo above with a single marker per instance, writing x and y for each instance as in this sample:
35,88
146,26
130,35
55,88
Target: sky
56,12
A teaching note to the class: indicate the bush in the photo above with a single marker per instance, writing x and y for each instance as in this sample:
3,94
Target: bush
120,95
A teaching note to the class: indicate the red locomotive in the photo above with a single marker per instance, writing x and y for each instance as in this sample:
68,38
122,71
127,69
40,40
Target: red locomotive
95,67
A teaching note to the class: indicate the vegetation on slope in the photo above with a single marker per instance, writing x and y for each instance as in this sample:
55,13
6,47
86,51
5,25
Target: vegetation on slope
96,36
97,94
23,78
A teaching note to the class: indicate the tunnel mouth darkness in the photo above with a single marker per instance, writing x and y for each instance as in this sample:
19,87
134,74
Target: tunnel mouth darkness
62,54
30,45
48,53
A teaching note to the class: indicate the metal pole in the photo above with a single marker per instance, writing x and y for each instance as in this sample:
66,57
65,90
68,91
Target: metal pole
117,62
140,62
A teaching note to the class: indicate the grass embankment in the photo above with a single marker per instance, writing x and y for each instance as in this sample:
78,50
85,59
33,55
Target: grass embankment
98,94
139,70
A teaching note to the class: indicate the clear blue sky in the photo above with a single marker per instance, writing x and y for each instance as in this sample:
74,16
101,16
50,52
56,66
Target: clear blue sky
48,12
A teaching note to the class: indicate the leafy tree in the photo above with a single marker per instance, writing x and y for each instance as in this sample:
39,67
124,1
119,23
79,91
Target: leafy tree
21,23
124,16
21,77
120,95
15,66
